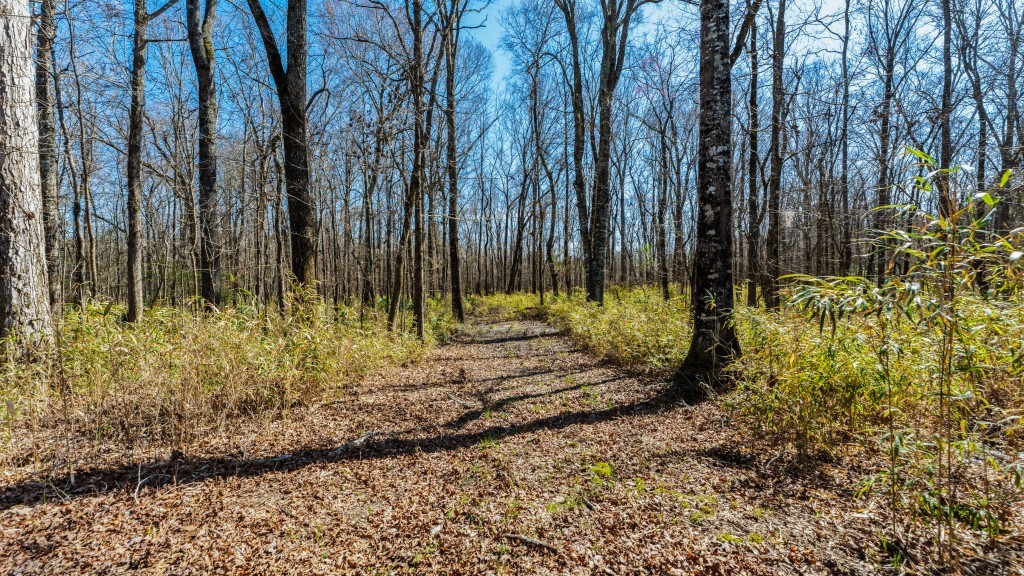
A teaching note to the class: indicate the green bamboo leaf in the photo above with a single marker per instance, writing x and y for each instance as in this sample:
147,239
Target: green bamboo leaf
986,198
1005,178
924,157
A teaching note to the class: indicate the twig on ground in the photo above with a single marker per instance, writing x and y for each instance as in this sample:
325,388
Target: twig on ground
531,542
358,442
139,484
461,402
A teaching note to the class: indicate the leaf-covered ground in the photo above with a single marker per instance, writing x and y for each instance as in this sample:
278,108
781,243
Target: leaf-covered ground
508,452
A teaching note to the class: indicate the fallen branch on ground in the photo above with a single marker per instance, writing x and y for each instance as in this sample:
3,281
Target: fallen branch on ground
531,542
358,442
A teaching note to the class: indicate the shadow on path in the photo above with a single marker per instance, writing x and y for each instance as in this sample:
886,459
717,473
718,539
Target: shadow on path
185,470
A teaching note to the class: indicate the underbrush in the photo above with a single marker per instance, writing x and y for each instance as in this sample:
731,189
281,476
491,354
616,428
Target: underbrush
636,328
176,376
913,383
518,306
915,388
871,391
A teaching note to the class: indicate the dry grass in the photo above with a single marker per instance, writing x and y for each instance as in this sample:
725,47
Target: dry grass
865,395
176,376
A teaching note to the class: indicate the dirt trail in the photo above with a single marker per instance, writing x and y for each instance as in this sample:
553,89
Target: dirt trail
508,451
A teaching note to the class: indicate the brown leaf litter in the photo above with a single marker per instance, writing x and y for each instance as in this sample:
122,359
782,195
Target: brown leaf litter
508,452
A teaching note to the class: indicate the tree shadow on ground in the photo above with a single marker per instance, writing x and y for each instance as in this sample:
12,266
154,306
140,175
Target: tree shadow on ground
515,338
179,470
501,403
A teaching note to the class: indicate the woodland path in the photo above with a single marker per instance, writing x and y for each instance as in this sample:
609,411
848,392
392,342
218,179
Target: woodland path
508,440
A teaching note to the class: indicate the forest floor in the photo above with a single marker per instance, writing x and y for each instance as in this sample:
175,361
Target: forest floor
509,451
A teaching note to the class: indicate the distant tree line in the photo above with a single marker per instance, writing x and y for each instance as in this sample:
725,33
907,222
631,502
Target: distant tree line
206,154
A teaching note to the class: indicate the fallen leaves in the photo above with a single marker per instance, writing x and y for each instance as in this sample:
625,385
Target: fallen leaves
509,451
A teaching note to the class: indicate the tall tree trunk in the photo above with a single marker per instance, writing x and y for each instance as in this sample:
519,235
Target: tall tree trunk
946,201
884,195
279,265
291,93
454,263
136,117
714,342
48,150
753,189
771,296
844,177
662,234
568,8
24,290
200,38
419,145
369,186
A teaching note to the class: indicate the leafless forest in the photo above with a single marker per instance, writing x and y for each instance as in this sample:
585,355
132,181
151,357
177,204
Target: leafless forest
802,215
224,152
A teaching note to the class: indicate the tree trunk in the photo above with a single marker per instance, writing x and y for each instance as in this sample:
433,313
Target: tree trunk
753,210
452,46
24,290
771,296
844,178
662,239
946,202
200,37
48,151
714,342
568,8
136,118
291,93
884,198
419,146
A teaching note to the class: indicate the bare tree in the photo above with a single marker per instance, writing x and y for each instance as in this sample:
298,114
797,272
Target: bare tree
136,119
48,148
772,258
714,342
291,93
200,39
24,292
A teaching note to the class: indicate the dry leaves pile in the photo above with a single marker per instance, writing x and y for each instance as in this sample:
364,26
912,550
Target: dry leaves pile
507,452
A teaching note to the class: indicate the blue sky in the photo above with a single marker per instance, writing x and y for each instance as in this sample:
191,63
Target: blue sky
489,20
490,35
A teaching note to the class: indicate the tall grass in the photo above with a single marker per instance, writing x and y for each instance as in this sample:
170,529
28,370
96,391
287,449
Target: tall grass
636,328
175,376
917,384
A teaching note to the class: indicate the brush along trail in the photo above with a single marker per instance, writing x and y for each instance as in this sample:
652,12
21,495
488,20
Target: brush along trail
508,451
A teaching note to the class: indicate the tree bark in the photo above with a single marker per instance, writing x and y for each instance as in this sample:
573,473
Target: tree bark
200,38
946,202
24,289
568,8
48,150
614,35
771,296
291,93
136,117
454,263
714,342
844,177
753,189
